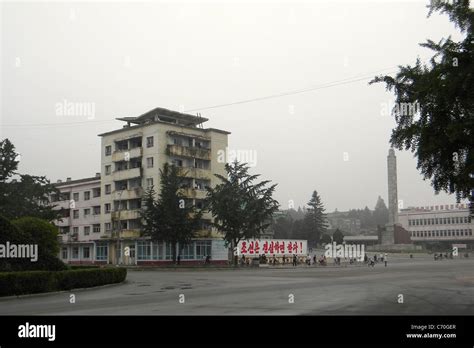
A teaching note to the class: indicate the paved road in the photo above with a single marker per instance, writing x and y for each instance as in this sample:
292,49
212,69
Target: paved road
428,287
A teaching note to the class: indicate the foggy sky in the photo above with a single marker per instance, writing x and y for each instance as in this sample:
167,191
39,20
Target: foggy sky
128,58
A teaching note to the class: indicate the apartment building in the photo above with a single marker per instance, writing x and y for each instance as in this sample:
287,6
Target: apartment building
131,160
449,224
80,227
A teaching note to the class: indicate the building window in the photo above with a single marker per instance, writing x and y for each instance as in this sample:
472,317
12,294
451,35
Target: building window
470,232
178,162
75,230
86,252
87,212
157,253
108,150
108,226
187,252
87,230
203,249
75,252
75,196
149,182
144,250
149,142
64,253
108,169
87,195
96,210
96,192
169,254
462,233
101,251
108,189
149,162
107,208
457,233
75,214
96,228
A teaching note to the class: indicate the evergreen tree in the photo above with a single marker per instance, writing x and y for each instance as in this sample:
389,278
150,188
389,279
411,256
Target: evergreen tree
338,236
170,218
242,208
315,222
380,214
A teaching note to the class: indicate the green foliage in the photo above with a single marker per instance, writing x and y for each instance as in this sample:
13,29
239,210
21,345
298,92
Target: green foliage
29,230
20,283
26,195
380,214
338,236
40,232
283,227
441,133
326,238
170,218
242,208
315,222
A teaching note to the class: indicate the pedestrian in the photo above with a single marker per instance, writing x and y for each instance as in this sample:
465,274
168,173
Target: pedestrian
385,259
242,261
294,260
375,258
179,259
314,259
283,259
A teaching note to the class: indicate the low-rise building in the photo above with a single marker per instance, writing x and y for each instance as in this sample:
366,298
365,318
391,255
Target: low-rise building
445,224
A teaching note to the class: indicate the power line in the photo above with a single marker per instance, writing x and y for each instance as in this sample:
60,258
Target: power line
310,89
272,96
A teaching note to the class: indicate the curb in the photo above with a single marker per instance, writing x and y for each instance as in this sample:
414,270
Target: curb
60,292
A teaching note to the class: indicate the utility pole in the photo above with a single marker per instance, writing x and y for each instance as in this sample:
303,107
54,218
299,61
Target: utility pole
118,230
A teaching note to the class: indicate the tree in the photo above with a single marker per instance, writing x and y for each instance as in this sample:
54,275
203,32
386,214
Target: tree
366,218
45,235
28,196
283,227
315,219
380,214
241,207
440,132
326,238
338,236
171,217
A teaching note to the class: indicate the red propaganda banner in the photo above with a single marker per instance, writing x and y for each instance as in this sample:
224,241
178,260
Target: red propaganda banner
271,247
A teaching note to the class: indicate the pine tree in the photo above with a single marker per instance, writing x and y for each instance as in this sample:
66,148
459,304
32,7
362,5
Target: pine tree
315,222
170,218
380,214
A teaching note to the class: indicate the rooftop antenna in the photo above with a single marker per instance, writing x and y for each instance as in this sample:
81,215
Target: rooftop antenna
200,119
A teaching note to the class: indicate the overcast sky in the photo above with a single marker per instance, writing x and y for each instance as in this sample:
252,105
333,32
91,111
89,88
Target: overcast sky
125,58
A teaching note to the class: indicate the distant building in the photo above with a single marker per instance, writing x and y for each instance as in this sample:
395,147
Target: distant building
448,224
343,222
80,229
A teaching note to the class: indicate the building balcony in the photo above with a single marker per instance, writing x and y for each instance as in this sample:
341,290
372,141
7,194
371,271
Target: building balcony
126,155
191,152
127,174
130,233
126,214
193,193
196,173
133,193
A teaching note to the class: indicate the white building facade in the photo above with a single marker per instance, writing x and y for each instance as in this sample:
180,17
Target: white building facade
446,224
80,229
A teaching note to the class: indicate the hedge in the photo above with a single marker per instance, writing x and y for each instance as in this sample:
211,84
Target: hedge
31,282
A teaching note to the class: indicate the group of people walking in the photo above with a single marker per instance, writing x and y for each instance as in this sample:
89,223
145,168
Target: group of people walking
372,261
